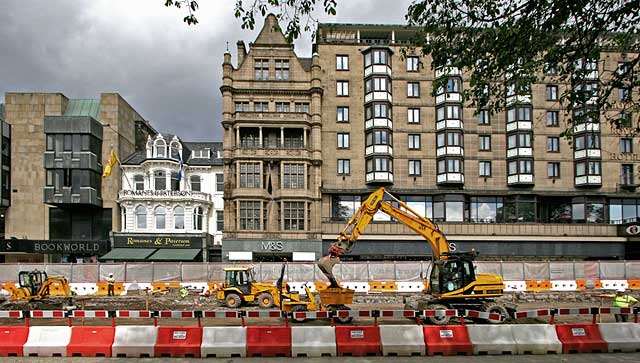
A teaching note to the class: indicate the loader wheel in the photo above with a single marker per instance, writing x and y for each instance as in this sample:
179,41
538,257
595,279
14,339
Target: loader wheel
265,300
233,300
296,308
437,320
496,308
346,320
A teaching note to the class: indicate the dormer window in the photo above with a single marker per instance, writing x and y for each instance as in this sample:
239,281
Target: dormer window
201,154
175,150
160,149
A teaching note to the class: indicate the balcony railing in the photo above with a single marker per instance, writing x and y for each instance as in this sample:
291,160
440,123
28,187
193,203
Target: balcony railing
519,126
586,127
588,180
519,151
378,122
587,153
381,69
448,97
379,149
450,151
447,72
379,177
449,124
450,178
520,179
384,96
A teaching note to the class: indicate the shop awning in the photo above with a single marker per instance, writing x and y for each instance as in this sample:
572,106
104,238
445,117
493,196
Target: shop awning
128,254
175,254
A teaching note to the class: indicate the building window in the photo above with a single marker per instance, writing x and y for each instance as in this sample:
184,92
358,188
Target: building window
587,168
261,67
420,204
626,145
175,151
624,211
159,213
343,114
219,221
219,182
377,56
242,106
178,217
342,88
485,142
520,167
519,140
587,141
449,208
553,144
344,166
161,149
449,138
293,216
484,117
175,183
553,170
160,180
414,141
249,175
552,93
486,209
448,112
344,206
377,110
261,106
589,210
302,107
449,166
379,137
626,174
293,176
283,107
522,113
282,69
454,84
484,168
413,89
415,167
196,183
624,119
379,164
342,62
343,140
552,118
138,182
141,217
377,84
250,215
413,115
624,94
197,218
412,64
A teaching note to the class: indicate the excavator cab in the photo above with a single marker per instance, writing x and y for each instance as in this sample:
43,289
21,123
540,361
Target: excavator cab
32,280
241,278
451,275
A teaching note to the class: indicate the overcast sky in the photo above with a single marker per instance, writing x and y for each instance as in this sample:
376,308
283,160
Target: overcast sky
168,71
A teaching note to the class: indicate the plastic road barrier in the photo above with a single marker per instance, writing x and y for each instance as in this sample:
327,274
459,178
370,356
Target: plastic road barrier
178,341
91,341
313,341
358,341
621,337
447,340
224,342
268,341
581,338
492,339
536,339
402,340
12,339
47,341
134,341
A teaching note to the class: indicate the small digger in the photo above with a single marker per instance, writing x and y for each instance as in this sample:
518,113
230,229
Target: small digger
35,289
240,287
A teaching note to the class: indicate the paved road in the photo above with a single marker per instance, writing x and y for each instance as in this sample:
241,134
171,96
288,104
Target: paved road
577,358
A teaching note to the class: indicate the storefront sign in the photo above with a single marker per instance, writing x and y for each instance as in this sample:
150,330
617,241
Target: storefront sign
276,246
54,247
157,241
629,230
624,156
157,193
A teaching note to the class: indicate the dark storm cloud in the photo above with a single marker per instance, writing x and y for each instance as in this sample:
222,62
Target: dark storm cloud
169,72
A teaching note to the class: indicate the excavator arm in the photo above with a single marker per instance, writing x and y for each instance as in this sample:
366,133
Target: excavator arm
363,216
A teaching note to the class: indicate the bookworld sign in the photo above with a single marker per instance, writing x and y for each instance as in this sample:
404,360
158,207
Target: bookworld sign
54,247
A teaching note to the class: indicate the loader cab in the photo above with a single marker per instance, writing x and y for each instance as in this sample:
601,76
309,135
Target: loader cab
242,278
452,274
32,280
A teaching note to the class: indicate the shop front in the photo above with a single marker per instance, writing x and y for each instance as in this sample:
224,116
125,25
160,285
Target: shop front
152,247
631,231
52,251
272,250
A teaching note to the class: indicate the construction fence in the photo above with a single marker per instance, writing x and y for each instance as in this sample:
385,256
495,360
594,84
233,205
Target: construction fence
308,271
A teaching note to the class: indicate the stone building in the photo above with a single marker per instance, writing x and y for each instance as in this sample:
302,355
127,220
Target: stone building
507,184
61,208
272,120
170,202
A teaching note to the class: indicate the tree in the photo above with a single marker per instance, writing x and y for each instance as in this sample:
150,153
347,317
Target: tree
296,14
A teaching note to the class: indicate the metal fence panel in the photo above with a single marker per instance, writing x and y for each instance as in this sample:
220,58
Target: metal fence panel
632,270
194,272
119,271
9,272
85,273
536,271
612,270
352,271
382,271
586,270
139,272
59,270
163,272
408,271
513,271
270,271
300,271
561,271
488,267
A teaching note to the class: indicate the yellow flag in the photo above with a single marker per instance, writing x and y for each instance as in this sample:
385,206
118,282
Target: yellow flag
113,159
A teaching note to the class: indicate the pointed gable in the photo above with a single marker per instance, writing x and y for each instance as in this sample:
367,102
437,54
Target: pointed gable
271,33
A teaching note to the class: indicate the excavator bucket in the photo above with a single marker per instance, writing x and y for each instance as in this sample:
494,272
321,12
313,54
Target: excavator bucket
325,264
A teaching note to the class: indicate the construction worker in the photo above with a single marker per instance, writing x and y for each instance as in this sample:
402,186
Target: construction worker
620,300
110,284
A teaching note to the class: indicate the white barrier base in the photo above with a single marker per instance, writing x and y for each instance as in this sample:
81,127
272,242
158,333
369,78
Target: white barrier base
492,339
536,339
134,341
621,337
402,340
224,342
47,341
313,341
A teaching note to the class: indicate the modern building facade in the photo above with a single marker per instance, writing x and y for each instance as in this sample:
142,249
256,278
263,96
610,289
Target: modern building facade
5,170
507,184
61,207
272,121
171,202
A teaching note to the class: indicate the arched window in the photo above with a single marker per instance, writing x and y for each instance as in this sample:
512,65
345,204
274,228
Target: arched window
175,183
160,180
196,183
160,215
141,217
178,217
197,219
138,182
175,150
161,149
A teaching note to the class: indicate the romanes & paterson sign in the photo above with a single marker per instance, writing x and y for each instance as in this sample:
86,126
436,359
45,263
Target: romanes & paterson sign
157,241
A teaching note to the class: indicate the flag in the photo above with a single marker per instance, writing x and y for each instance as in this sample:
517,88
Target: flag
180,172
113,160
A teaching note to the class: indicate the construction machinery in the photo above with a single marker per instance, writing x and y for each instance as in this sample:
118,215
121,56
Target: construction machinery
240,287
40,291
453,282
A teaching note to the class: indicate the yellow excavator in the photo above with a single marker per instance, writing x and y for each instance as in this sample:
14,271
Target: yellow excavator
453,282
36,290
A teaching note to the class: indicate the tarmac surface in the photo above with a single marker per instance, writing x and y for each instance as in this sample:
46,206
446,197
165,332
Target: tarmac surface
577,358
